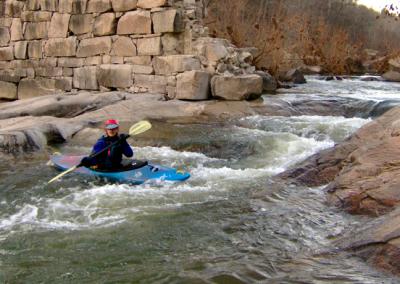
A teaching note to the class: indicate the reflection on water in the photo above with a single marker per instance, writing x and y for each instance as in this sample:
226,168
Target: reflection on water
229,223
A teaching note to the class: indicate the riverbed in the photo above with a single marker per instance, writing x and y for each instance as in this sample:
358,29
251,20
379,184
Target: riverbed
231,222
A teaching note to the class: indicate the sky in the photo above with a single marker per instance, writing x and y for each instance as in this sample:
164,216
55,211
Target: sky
376,4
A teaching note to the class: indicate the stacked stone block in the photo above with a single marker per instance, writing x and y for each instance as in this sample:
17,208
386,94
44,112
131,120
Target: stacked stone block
68,45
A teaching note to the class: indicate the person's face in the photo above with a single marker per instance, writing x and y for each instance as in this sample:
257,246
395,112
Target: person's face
112,132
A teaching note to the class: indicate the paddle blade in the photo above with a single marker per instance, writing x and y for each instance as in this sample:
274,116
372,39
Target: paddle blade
139,127
62,174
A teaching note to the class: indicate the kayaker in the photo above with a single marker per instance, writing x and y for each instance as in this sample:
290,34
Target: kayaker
110,159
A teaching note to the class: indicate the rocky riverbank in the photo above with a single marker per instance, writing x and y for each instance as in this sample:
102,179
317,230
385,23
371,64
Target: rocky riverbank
362,174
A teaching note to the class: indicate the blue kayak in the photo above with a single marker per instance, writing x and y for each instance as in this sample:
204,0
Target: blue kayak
133,172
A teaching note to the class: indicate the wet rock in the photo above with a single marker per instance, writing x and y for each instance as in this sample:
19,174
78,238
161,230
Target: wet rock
310,70
378,243
363,171
294,75
269,82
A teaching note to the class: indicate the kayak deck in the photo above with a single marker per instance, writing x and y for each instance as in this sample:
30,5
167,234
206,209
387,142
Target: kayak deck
138,174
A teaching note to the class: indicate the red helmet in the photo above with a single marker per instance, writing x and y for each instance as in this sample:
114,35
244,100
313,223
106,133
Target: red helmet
111,124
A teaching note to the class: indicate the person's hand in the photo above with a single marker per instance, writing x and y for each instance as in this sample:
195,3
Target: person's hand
123,137
85,162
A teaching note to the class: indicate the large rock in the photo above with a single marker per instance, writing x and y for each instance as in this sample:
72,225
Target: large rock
270,84
98,6
236,88
59,47
378,242
167,65
29,88
59,25
20,49
123,5
167,21
151,83
105,24
36,30
115,76
392,76
16,30
85,78
8,90
214,49
148,4
35,16
193,85
6,53
135,22
123,46
78,6
81,24
94,46
149,46
35,49
293,75
4,36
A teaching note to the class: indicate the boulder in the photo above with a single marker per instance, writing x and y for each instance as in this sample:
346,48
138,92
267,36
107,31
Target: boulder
214,49
6,53
8,91
98,6
48,5
35,49
81,24
16,30
4,36
123,46
293,75
392,76
59,25
269,82
59,47
149,46
12,8
115,76
193,85
167,65
64,6
105,24
172,43
135,22
167,21
20,48
149,4
78,6
85,78
123,5
94,46
236,88
151,83
35,16
29,88
36,30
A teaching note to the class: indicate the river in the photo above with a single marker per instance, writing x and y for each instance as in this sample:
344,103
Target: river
231,222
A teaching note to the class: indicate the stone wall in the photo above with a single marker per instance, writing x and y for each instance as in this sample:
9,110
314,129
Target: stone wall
139,46
70,45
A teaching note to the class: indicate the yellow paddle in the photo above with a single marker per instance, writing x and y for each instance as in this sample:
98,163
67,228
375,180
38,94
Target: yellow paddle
135,129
